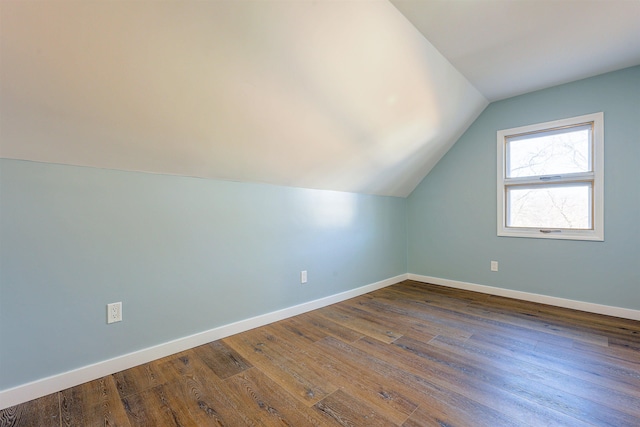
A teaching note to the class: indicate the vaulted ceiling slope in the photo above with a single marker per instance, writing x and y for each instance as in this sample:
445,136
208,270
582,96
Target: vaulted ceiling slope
336,95
319,94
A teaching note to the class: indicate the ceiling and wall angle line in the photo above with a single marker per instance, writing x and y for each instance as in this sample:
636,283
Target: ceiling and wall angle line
360,96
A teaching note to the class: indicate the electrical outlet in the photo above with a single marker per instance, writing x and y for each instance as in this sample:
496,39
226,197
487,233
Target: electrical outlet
303,276
494,265
114,312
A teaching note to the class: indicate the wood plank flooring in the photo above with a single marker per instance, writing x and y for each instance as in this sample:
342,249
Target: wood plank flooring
409,355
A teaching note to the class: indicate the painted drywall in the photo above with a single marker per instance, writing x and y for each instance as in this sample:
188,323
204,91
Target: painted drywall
333,95
451,215
184,255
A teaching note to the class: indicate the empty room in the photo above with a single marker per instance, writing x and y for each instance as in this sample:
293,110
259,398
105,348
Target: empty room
319,213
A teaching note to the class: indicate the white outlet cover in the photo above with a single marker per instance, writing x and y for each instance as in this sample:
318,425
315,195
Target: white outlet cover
114,312
303,276
494,265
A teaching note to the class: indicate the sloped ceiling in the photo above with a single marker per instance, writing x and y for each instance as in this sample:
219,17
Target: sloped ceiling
337,95
319,94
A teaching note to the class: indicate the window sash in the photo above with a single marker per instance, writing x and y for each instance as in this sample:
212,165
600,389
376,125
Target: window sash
511,139
587,184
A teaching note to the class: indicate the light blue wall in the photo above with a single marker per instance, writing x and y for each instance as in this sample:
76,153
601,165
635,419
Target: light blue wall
452,214
184,255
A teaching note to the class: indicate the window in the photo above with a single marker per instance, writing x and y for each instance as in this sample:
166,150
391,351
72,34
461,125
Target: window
550,179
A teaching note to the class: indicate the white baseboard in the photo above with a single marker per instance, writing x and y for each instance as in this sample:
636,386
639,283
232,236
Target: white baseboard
625,313
52,384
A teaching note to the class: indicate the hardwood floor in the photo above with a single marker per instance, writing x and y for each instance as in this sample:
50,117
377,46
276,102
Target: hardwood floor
407,355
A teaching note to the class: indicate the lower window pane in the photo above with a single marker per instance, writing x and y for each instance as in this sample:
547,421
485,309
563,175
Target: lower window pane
550,206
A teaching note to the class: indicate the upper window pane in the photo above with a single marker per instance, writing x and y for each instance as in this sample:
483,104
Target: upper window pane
552,152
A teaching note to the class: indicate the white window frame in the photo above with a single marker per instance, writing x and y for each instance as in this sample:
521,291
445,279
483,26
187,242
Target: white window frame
596,177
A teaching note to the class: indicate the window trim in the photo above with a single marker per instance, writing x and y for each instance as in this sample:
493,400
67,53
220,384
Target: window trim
597,177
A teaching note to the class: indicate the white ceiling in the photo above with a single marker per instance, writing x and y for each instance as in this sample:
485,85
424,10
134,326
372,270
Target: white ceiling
510,47
336,95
